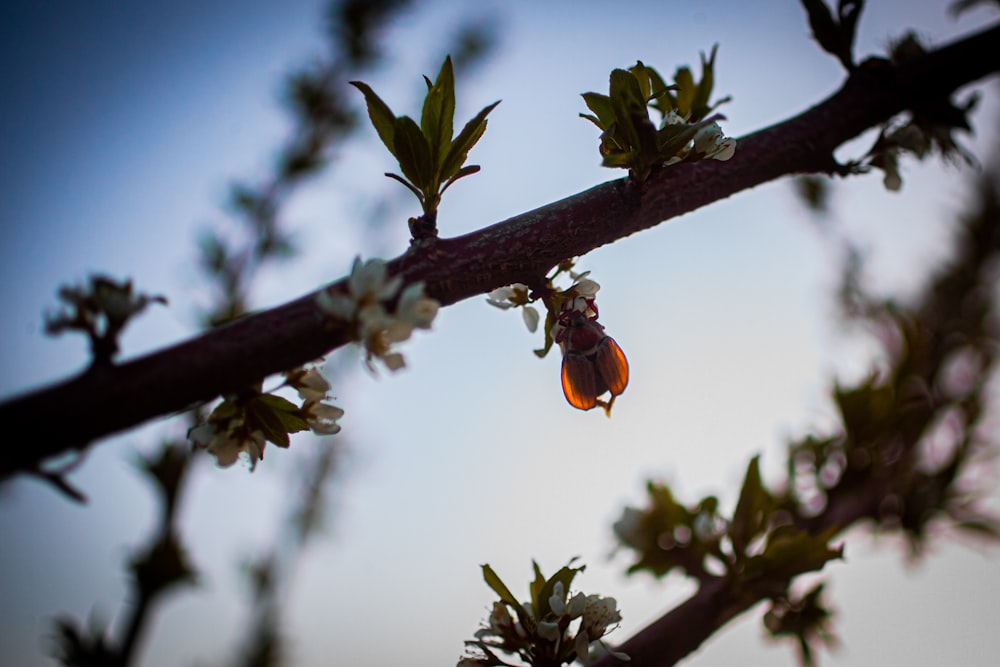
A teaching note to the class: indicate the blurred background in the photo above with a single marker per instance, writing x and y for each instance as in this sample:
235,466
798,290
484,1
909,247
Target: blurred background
123,128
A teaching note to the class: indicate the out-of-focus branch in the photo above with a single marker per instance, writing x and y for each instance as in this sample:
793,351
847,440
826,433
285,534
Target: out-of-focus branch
70,415
883,480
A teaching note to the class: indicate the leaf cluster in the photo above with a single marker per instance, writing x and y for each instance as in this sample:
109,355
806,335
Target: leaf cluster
101,310
805,618
758,546
835,34
429,156
929,128
629,138
539,609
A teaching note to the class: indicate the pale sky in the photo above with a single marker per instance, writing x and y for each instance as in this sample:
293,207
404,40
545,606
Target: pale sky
121,130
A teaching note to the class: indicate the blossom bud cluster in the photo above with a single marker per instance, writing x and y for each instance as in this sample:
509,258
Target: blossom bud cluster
571,629
313,388
101,310
243,423
364,308
580,296
515,296
226,435
709,142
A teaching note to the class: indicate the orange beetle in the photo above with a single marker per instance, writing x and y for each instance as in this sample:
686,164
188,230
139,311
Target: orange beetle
593,363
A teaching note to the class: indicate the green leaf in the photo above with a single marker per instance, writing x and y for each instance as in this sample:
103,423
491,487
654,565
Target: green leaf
458,152
601,106
865,409
414,155
565,575
699,104
663,100
380,114
494,582
438,114
535,588
262,417
641,74
836,37
467,170
289,413
790,552
540,353
672,138
752,509
686,90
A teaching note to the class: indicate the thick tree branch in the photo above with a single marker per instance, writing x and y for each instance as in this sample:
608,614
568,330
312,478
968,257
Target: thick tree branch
102,401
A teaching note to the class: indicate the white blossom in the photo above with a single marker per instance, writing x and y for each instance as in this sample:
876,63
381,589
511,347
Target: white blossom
598,614
369,287
310,384
576,606
416,308
557,602
710,142
322,417
509,296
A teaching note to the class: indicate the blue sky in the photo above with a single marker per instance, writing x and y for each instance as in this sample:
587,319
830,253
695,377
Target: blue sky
121,130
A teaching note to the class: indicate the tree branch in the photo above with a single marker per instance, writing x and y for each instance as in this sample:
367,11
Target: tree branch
957,312
101,401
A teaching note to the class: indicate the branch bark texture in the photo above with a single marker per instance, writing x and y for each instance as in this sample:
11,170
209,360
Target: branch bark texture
102,401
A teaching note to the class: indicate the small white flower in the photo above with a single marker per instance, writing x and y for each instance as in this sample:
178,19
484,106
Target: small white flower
322,417
367,286
598,614
255,448
672,118
416,308
576,606
225,450
586,288
501,297
509,296
374,327
309,383
557,601
368,281
710,142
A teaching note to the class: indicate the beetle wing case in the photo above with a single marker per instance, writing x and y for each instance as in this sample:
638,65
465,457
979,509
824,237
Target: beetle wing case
612,366
578,381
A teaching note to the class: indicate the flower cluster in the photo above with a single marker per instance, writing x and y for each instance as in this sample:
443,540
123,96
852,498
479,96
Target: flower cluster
243,423
579,296
553,628
101,310
709,143
364,307
514,296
